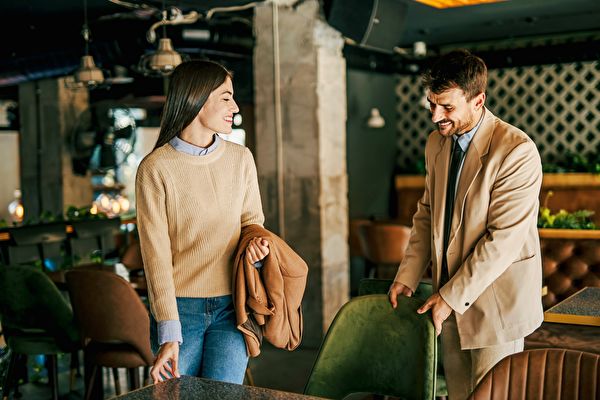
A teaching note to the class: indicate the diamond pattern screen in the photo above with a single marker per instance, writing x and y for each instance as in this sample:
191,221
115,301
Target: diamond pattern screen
557,105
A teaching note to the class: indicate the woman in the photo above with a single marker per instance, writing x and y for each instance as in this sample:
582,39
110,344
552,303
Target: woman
194,193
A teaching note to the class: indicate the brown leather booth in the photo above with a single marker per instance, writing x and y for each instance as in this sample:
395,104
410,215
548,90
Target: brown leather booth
569,265
542,374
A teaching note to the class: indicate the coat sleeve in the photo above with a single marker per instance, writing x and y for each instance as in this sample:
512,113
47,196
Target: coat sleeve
512,210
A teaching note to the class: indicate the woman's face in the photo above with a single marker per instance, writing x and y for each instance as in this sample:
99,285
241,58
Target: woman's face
217,113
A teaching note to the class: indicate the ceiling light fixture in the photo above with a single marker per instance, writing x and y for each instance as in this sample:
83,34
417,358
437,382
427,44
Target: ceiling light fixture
88,74
375,119
455,3
165,59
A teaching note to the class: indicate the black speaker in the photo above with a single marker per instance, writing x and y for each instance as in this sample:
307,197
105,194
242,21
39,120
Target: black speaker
372,23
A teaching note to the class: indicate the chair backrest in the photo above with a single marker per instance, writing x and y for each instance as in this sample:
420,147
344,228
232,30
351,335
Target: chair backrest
109,310
31,244
30,301
384,243
371,347
92,237
356,247
542,374
381,286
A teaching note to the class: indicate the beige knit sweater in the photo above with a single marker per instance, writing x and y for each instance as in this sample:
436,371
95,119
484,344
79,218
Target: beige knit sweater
190,211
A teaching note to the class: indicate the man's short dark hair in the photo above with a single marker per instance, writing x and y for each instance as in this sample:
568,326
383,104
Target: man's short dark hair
459,68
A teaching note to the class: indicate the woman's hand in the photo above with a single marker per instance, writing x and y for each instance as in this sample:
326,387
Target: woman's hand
257,250
166,362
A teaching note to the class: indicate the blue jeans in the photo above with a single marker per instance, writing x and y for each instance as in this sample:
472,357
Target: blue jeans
212,345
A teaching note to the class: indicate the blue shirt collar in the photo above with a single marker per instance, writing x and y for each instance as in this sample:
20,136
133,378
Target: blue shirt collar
191,149
465,139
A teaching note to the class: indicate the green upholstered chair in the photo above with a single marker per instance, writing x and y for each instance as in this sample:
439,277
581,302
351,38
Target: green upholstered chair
373,348
424,290
381,286
36,319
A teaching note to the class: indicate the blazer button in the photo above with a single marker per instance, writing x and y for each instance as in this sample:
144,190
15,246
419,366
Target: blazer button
467,304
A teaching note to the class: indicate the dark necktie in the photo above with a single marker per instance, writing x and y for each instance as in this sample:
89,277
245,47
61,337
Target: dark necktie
455,160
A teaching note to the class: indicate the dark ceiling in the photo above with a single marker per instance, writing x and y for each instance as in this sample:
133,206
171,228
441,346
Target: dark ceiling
503,20
42,37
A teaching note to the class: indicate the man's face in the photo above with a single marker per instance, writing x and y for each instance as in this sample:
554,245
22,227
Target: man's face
453,113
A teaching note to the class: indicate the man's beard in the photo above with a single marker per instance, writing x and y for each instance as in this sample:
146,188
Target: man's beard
455,130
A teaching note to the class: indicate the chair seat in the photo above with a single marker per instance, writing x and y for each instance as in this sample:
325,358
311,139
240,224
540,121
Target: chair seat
115,355
30,345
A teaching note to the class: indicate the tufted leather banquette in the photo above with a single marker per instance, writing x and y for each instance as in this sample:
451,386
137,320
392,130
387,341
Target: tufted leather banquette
542,374
569,265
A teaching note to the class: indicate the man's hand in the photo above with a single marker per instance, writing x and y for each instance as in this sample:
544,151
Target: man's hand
440,311
397,289
166,361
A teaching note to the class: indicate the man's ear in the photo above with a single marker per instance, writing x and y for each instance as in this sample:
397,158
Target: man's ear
479,100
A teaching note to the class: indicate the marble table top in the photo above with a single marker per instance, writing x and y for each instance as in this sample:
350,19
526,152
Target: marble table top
188,387
582,308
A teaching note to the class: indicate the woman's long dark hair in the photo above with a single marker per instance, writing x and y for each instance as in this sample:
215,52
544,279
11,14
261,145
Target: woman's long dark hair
190,85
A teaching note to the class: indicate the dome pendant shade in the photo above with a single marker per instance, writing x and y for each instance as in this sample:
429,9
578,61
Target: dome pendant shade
165,59
88,73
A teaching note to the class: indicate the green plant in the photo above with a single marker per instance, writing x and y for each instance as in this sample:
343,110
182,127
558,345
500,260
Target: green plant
575,162
78,213
580,219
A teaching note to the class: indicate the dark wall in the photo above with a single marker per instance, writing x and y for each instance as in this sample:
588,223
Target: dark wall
371,153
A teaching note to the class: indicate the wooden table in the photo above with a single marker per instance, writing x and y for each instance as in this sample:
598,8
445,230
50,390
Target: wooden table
188,387
574,324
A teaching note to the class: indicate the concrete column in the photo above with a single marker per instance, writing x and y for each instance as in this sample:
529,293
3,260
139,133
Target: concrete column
49,114
312,88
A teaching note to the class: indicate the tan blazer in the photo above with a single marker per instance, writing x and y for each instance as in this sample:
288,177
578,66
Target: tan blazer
494,257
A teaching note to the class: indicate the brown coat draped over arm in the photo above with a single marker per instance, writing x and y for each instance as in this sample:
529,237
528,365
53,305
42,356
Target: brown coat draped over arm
267,300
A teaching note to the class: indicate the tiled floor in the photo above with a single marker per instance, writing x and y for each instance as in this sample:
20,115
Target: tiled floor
274,368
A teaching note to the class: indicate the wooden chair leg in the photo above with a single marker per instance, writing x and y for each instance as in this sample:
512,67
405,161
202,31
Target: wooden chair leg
90,383
146,376
118,390
10,376
134,378
20,372
52,365
249,377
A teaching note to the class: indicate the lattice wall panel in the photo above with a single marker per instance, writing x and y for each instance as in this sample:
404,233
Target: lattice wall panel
557,105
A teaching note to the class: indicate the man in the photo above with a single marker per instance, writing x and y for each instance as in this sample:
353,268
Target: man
476,225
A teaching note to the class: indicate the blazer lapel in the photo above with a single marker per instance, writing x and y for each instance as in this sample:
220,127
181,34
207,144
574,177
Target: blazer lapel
478,149
440,176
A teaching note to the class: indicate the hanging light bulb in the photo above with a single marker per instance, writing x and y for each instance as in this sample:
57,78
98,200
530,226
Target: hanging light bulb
124,202
15,208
